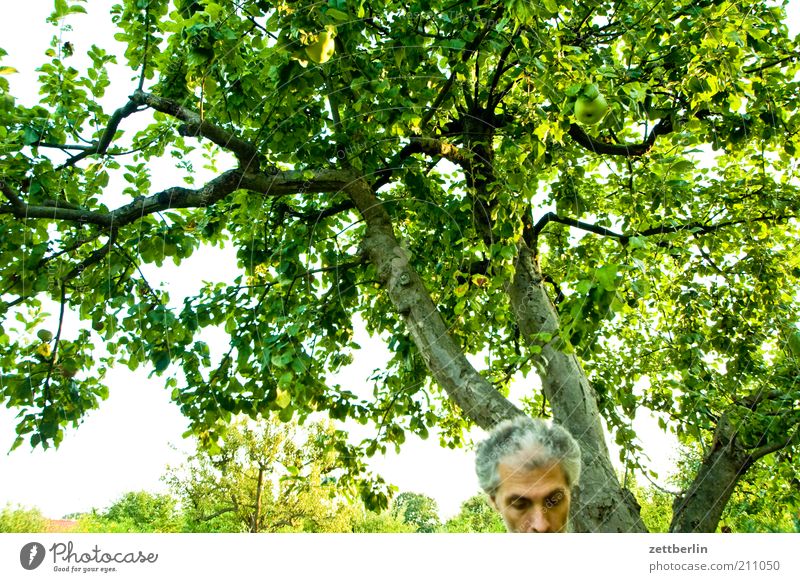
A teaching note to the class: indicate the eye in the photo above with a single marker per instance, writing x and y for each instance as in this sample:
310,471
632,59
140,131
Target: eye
554,500
521,504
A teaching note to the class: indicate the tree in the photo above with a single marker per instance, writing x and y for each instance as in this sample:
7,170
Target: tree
656,506
766,498
383,522
21,520
476,516
419,511
429,179
260,480
135,512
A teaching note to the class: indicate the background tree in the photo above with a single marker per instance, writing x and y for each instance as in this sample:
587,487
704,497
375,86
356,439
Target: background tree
419,511
21,520
260,480
384,522
135,512
766,499
476,516
644,261
656,506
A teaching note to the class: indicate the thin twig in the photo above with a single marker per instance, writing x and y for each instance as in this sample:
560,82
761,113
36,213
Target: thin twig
56,341
146,46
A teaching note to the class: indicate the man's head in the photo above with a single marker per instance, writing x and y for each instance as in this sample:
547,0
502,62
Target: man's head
528,468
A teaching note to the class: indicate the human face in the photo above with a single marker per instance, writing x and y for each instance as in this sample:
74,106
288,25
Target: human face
533,501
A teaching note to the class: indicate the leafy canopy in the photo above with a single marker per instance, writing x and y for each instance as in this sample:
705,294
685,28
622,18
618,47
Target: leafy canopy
668,230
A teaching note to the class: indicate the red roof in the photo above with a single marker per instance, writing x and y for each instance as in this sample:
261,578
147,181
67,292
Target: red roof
60,525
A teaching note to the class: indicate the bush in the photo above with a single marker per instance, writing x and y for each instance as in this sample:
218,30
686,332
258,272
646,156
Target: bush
21,520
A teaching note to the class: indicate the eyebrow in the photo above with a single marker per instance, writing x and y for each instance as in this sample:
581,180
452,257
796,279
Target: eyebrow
513,498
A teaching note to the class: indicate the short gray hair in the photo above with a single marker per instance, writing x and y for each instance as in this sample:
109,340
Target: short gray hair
536,442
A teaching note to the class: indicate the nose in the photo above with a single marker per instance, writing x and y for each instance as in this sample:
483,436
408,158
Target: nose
538,522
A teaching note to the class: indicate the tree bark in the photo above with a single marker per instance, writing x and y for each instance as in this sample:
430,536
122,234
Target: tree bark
259,487
700,508
476,397
603,505
600,504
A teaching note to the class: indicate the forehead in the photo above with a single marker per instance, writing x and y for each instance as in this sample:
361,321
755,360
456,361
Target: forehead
516,481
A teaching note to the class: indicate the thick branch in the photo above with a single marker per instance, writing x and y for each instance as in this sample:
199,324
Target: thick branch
101,146
64,147
694,227
700,508
599,503
279,184
245,152
422,145
553,217
217,513
771,64
770,448
94,258
698,228
499,71
316,216
66,251
583,139
440,149
444,358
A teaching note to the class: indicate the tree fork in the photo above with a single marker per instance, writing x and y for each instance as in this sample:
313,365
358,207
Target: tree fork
600,504
610,507
700,508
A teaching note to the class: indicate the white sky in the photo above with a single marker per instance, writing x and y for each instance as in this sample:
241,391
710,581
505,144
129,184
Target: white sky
127,443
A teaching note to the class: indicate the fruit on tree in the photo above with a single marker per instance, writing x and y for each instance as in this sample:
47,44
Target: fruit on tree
322,50
591,106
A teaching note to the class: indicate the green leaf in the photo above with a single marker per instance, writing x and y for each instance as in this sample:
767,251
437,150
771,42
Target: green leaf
552,6
682,167
29,136
284,399
161,361
61,8
338,15
607,277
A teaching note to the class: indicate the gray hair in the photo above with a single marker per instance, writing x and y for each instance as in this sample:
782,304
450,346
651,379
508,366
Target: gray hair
531,443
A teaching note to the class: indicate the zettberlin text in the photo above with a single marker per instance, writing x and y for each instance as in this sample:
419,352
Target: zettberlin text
66,553
676,549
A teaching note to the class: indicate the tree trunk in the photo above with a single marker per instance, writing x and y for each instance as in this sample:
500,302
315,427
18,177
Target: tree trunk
604,506
255,526
600,504
700,508
476,397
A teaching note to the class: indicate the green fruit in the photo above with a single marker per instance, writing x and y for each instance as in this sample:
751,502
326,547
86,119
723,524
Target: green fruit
590,111
322,50
44,335
794,343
